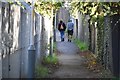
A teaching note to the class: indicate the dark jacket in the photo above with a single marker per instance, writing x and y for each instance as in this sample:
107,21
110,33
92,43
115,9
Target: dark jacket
64,26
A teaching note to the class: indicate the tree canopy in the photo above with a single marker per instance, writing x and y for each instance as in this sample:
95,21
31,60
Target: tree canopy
96,8
45,7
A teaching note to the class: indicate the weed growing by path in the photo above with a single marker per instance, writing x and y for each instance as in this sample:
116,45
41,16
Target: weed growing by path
41,71
54,47
50,59
48,66
82,45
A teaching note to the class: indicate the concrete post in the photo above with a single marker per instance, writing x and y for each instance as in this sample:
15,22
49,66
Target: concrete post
31,49
51,46
31,62
55,29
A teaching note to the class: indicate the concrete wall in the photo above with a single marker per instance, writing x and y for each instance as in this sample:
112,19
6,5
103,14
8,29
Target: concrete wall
15,38
42,40
47,34
83,29
15,52
38,30
79,25
0,41
86,30
10,32
24,41
5,39
75,34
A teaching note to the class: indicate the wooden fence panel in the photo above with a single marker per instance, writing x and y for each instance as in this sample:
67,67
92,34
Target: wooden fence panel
116,44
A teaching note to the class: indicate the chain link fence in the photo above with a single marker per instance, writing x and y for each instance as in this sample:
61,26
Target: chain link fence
103,39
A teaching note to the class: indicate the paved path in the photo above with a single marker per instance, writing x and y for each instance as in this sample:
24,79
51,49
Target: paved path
71,62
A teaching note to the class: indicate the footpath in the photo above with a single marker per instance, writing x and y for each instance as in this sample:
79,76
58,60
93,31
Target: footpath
71,62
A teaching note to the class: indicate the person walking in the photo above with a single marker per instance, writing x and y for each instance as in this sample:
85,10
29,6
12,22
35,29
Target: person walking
62,28
70,27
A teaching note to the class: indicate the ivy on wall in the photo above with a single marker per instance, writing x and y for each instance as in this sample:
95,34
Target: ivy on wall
97,12
100,38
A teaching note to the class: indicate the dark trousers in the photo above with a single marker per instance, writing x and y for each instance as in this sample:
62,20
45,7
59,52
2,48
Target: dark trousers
70,34
62,35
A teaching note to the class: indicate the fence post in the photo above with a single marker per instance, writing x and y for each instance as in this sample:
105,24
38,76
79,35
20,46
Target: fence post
51,46
31,49
54,28
31,61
